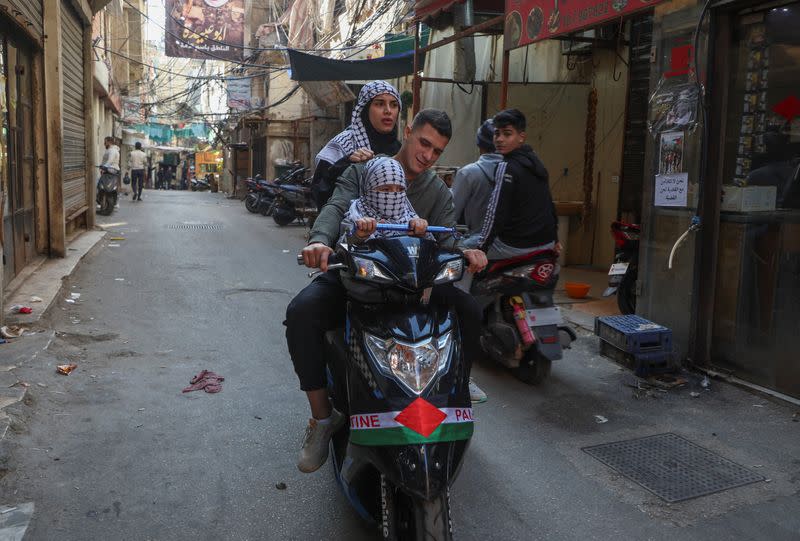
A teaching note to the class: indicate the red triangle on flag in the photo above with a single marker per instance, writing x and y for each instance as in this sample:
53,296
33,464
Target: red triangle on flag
788,108
421,416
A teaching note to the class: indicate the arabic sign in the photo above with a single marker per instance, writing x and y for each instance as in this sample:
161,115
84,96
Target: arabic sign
528,21
672,190
206,29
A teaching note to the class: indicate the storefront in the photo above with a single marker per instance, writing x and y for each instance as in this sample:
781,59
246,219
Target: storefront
731,164
20,55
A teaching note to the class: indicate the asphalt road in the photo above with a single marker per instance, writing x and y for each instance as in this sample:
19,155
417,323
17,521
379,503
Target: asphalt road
116,451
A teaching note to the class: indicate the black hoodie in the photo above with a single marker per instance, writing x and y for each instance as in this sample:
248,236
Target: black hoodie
521,211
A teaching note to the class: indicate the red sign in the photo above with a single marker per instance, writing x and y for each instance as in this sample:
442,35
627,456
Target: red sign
528,21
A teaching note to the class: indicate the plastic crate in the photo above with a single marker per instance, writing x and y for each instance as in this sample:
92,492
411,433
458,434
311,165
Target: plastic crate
642,364
633,334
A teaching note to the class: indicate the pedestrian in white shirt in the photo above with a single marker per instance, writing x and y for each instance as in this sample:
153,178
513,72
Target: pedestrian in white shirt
138,163
111,156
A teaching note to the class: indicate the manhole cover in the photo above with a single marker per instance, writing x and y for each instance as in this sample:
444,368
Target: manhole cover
195,225
672,467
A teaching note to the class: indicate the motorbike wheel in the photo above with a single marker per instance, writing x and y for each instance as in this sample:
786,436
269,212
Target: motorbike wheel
414,519
106,205
533,369
266,206
283,215
626,294
251,203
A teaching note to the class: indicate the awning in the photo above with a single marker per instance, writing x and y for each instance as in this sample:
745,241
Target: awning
426,9
307,67
529,21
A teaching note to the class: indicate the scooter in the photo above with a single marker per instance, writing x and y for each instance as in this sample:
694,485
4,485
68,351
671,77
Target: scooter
522,328
200,185
624,271
397,371
107,194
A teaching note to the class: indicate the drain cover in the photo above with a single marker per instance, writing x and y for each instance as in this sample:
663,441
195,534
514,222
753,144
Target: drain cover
672,467
195,225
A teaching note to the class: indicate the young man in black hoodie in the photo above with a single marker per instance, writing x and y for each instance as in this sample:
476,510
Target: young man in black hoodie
521,216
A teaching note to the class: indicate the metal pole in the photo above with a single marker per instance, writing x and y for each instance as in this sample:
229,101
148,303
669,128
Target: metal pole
504,81
416,83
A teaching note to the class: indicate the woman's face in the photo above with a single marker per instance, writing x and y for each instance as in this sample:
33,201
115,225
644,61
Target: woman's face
383,112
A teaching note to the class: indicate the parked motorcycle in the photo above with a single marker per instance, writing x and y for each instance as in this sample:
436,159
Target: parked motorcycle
293,202
522,329
624,271
107,194
397,372
256,189
200,185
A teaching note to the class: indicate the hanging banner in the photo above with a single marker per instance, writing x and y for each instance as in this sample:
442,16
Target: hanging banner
239,93
205,29
132,110
528,21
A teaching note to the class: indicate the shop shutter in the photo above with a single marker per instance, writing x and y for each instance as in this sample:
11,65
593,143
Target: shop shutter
31,10
630,192
72,112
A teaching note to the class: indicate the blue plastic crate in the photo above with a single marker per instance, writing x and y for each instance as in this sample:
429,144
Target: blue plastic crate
642,364
633,334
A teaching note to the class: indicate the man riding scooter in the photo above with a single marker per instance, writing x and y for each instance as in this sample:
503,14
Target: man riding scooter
108,183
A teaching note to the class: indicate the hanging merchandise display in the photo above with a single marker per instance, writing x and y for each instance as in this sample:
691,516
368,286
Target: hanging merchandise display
754,109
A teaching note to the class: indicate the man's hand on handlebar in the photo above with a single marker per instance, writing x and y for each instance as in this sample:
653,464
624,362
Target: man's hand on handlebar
315,256
365,227
476,260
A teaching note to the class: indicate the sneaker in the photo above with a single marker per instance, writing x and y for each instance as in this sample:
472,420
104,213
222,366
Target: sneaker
315,442
476,394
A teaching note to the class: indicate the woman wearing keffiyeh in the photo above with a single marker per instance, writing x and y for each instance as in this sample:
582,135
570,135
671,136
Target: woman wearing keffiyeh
372,130
383,199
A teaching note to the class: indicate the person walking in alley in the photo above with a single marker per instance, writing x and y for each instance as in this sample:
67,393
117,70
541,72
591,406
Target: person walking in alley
320,306
372,131
474,183
138,163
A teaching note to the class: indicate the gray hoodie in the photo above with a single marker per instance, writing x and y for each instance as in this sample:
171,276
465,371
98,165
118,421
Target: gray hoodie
472,188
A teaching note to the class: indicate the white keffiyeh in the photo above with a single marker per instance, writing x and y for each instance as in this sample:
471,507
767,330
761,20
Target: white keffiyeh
355,136
387,207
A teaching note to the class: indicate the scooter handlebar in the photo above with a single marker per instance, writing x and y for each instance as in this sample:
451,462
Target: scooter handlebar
404,228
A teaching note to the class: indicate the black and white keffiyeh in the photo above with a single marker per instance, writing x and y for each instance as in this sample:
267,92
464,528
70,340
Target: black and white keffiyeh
388,207
356,135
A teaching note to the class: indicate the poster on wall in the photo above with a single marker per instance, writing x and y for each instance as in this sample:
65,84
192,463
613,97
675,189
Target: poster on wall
239,93
528,21
670,153
672,190
205,29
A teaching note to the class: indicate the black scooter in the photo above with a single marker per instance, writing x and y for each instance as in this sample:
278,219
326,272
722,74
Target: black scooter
522,328
624,271
107,191
397,372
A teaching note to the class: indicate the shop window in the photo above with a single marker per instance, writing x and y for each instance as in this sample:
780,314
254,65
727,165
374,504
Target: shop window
758,267
762,154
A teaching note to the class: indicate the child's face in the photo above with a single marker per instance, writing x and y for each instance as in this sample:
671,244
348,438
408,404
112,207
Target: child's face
390,188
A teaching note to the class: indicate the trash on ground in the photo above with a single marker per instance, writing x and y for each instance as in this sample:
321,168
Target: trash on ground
75,296
66,368
113,245
2,340
694,394
666,381
285,251
207,381
20,309
42,385
70,301
599,419
280,486
116,238
12,331
119,279
36,299
706,383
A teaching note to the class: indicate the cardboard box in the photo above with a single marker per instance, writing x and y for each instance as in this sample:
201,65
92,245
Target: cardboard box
748,198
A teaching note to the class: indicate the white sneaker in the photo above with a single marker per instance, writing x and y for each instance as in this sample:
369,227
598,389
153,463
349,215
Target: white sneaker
314,452
476,395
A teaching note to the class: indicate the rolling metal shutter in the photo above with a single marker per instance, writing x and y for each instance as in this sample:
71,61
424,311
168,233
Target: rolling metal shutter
72,112
633,170
31,10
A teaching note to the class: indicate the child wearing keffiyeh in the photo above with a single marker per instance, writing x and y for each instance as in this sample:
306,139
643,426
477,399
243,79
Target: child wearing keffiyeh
383,199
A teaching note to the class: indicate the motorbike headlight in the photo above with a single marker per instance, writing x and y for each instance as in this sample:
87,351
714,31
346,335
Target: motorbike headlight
369,270
450,272
413,366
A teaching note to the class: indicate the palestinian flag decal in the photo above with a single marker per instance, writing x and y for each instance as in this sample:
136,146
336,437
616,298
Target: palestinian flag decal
420,422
